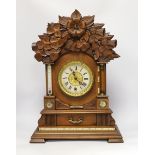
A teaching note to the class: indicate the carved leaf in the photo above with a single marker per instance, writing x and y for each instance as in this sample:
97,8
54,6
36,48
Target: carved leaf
64,34
57,34
109,37
69,44
85,47
92,30
79,44
82,25
34,47
98,25
56,26
38,56
111,44
61,42
107,53
101,49
100,32
46,59
56,43
88,20
54,56
97,54
94,46
64,20
50,29
40,44
85,37
47,47
98,37
42,52
91,38
73,47
76,15
75,32
115,55
44,38
48,52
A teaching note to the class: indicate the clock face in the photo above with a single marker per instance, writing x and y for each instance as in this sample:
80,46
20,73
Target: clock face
75,78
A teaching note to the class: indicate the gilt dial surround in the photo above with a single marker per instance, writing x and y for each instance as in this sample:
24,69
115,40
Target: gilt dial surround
75,78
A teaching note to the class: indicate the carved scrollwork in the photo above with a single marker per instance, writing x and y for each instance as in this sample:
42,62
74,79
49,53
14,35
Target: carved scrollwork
77,34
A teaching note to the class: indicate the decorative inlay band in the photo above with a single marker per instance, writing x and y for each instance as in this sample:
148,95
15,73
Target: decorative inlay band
76,129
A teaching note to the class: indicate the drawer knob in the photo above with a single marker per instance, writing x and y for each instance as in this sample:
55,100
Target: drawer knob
71,120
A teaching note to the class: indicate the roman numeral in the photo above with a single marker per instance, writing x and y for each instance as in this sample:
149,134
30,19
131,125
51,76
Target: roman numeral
66,83
70,87
64,77
75,88
84,84
76,68
85,78
84,73
71,69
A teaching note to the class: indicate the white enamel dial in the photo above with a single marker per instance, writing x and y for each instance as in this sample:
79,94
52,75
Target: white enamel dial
75,78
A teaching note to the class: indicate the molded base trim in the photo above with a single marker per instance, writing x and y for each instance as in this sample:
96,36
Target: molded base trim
112,136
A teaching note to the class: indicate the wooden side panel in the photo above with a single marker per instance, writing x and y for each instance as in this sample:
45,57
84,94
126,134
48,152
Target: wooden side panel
105,120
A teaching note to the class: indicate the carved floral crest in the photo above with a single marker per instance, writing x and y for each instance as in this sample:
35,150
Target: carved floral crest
77,34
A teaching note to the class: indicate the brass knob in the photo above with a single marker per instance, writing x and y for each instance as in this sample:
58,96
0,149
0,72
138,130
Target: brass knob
102,104
49,105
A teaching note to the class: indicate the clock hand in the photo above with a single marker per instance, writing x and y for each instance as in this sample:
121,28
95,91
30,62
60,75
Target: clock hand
76,78
74,73
79,81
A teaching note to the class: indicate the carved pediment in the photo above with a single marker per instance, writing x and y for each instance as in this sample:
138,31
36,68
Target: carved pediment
76,34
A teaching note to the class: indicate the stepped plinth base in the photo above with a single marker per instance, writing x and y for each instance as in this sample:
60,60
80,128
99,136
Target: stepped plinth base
109,133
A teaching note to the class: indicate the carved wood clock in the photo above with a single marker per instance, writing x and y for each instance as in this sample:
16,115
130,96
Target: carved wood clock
75,52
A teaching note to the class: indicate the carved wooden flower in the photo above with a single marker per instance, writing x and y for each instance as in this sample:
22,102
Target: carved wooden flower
76,24
77,34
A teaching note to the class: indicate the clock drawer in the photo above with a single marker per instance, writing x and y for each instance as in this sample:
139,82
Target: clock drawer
76,119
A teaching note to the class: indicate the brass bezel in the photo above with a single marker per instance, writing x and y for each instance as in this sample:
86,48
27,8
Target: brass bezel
85,90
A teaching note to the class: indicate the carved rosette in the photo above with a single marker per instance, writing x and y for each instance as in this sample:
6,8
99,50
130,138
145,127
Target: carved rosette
76,34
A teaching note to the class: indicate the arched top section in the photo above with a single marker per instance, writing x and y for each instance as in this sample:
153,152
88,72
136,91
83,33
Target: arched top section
78,34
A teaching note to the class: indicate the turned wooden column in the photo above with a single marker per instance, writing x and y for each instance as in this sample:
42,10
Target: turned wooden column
48,68
103,79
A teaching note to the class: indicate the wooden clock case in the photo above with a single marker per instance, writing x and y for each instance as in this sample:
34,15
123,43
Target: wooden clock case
76,38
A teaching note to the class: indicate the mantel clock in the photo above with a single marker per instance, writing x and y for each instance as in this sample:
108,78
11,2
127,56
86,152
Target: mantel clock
75,51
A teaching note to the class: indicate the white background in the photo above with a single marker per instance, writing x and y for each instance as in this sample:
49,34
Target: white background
120,18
